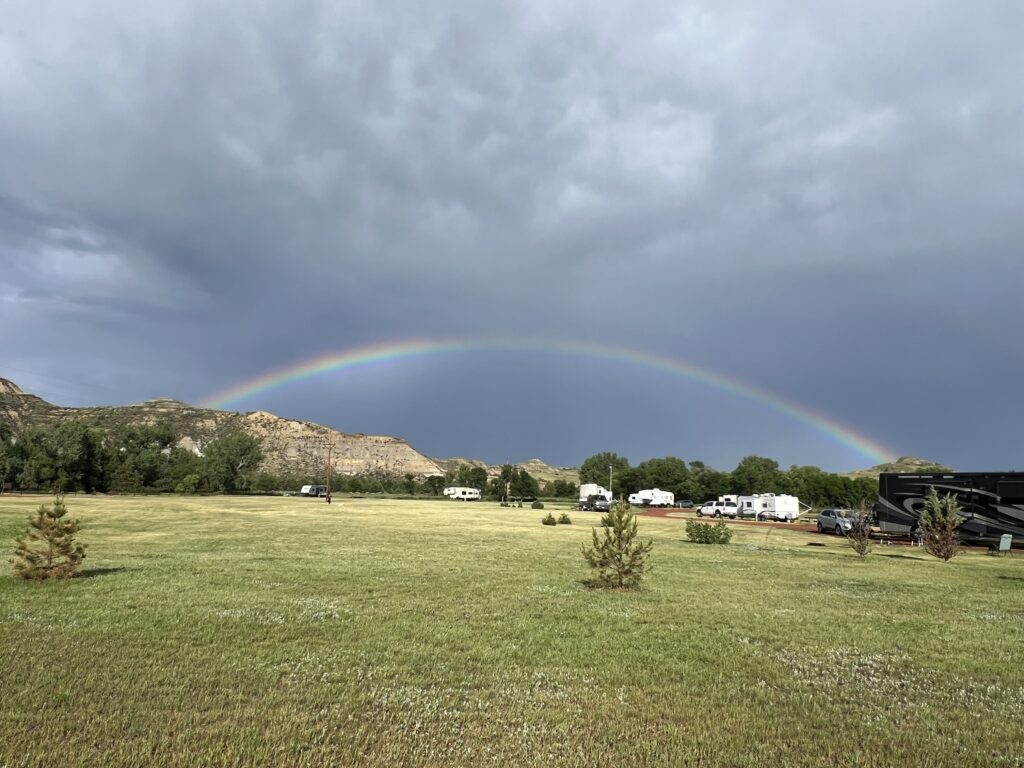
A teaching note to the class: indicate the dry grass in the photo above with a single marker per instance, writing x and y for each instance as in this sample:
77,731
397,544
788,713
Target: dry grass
283,632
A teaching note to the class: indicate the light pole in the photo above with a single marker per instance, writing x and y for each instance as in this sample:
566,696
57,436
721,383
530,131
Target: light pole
609,483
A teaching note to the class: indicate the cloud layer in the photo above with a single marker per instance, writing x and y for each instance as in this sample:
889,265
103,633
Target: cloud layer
824,201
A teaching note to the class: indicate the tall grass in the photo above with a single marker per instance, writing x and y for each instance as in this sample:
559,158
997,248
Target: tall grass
285,632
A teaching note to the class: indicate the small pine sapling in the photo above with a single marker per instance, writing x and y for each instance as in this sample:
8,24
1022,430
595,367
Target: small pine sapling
619,557
939,521
859,536
48,549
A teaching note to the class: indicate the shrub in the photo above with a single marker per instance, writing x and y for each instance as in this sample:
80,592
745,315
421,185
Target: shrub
537,505
549,519
564,519
859,536
706,533
939,520
619,557
48,549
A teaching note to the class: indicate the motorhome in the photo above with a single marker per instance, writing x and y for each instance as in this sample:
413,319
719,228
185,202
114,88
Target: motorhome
991,503
460,493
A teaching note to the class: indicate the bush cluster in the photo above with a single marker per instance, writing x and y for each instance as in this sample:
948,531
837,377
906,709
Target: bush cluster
549,519
706,533
564,519
538,505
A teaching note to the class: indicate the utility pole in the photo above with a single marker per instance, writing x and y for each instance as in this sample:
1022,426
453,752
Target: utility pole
329,448
609,483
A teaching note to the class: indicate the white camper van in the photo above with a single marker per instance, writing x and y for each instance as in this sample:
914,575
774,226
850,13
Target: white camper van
460,493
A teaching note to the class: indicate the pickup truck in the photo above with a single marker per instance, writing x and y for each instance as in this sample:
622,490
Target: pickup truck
594,503
718,509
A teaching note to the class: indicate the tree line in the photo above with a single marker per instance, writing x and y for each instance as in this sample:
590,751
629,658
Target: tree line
754,474
74,456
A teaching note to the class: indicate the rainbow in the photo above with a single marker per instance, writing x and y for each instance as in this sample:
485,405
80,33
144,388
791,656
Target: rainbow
386,352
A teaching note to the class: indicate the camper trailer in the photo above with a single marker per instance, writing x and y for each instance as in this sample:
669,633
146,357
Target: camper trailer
770,506
593,489
652,497
759,506
313,490
991,503
460,493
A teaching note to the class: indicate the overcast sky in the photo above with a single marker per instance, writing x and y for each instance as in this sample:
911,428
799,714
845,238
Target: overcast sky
822,200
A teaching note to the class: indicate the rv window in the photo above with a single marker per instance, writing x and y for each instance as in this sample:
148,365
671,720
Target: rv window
1011,491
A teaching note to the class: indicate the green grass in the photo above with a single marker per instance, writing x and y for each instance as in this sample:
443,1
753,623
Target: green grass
285,632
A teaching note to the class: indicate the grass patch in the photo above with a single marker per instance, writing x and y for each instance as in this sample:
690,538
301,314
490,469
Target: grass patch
285,632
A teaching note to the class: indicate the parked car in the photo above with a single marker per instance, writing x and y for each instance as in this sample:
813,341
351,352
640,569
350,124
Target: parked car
837,521
684,503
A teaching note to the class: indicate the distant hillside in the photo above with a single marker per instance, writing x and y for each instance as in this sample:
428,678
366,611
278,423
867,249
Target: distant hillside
537,468
902,464
288,445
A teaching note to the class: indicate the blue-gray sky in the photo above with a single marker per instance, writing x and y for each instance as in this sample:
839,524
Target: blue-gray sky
823,200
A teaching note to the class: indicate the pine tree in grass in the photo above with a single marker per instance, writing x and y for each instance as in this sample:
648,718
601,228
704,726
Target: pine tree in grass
939,521
619,557
48,549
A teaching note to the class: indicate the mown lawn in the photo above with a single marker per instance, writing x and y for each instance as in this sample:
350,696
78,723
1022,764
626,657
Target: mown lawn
283,632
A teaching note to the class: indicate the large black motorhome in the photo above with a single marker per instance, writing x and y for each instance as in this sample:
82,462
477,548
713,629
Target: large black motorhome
991,503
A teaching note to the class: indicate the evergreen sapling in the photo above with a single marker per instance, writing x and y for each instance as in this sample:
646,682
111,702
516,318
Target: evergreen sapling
48,549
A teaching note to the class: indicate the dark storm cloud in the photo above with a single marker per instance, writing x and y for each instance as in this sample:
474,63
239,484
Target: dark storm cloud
821,200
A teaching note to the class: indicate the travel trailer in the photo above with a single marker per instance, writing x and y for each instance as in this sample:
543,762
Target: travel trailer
760,506
459,493
313,490
593,489
652,497
770,506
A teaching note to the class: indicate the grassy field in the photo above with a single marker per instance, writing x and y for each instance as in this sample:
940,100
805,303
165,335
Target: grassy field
283,632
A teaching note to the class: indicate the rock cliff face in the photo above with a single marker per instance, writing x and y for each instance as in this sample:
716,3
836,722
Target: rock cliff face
288,445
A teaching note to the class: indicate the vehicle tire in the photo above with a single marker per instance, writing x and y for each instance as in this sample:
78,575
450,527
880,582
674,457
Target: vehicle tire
820,528
718,513
700,514
839,530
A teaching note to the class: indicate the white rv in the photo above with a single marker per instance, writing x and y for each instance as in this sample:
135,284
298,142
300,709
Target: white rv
760,506
772,506
460,493
593,489
652,497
